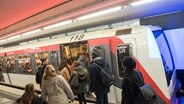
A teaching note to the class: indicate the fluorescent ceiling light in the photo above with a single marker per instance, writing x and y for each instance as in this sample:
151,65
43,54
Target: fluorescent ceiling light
2,40
100,13
13,37
58,24
31,32
140,2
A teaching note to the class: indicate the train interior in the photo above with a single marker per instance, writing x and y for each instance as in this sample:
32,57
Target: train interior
72,51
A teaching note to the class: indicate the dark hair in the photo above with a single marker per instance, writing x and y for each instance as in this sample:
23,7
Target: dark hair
129,62
63,64
95,53
28,94
69,61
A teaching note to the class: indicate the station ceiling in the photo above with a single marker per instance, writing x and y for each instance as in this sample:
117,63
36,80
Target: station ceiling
13,11
19,15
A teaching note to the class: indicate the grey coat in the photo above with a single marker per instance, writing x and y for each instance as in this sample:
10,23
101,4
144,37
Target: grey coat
57,90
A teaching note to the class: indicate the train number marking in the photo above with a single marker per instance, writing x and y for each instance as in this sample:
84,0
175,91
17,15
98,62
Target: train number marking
77,37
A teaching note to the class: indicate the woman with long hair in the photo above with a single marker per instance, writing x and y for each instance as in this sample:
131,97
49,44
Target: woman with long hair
55,87
66,69
29,96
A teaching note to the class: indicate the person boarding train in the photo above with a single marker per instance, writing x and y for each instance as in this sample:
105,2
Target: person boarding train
55,87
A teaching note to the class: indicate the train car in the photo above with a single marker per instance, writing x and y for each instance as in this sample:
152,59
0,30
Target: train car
20,62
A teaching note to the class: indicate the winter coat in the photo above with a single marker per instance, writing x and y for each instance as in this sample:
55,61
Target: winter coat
82,73
65,72
95,78
131,94
57,90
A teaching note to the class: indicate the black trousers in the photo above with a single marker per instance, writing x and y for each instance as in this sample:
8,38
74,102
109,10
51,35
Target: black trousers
81,98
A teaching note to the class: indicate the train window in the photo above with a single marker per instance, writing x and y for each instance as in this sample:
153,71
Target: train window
122,51
74,50
41,56
54,59
11,64
24,64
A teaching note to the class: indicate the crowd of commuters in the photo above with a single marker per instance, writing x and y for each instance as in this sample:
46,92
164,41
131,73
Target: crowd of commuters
56,85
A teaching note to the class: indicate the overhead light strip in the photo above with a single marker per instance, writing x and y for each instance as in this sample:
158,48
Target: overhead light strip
140,2
31,32
58,24
99,13
2,40
67,22
13,37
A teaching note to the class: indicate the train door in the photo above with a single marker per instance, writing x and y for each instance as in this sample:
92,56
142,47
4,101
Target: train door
72,51
122,48
102,45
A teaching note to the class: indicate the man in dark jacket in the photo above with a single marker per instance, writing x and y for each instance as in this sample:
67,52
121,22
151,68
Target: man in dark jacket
96,85
131,80
40,70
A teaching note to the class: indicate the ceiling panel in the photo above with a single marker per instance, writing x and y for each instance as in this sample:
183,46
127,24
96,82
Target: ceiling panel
13,11
70,9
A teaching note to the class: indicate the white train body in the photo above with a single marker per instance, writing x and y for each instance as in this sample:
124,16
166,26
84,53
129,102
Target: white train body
140,43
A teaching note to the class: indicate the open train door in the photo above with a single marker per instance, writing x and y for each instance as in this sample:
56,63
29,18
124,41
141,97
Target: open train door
120,48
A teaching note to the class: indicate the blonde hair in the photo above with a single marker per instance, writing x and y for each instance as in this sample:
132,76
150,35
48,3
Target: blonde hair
49,72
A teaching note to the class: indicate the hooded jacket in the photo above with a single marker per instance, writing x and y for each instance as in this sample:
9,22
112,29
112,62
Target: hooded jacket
82,76
95,78
57,90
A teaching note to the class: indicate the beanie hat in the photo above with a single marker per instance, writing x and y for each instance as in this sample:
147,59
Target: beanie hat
94,53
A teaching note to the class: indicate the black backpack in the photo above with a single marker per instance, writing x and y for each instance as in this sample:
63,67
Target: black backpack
148,93
39,74
106,75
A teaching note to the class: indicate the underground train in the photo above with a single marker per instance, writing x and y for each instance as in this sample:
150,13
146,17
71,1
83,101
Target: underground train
19,62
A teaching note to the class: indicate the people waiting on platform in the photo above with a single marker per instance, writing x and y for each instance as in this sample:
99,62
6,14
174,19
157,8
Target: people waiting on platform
66,69
83,59
79,74
131,78
40,70
96,84
29,96
55,88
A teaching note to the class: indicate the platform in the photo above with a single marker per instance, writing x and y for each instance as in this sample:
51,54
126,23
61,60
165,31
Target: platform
5,101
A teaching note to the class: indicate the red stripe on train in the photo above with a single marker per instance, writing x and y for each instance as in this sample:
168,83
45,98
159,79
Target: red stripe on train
113,41
34,50
148,79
